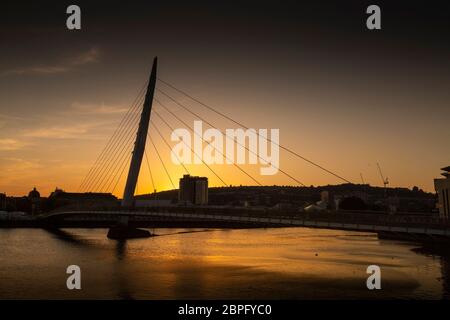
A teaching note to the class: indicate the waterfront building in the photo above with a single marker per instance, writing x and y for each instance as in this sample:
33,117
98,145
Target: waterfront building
2,201
34,198
442,187
86,200
193,190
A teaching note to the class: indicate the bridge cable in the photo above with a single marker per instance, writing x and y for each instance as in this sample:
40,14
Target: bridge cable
226,135
150,171
116,169
171,128
125,138
108,144
121,173
168,145
113,167
111,163
245,127
122,166
124,149
178,118
95,167
109,156
162,162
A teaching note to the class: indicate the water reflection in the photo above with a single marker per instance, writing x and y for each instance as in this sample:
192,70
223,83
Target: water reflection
123,286
121,249
287,263
66,236
445,268
442,254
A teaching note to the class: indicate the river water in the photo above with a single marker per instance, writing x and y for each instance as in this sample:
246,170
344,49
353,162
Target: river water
279,263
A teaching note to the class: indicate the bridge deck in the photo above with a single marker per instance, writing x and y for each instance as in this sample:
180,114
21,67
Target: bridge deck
402,226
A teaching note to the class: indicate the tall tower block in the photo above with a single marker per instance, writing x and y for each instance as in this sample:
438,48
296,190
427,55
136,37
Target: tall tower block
141,138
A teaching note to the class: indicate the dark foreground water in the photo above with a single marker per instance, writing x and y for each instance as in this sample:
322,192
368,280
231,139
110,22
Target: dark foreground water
285,263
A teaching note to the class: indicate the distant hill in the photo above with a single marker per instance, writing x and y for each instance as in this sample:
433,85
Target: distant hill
414,200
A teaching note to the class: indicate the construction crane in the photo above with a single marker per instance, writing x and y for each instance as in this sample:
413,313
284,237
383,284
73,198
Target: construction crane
385,181
362,179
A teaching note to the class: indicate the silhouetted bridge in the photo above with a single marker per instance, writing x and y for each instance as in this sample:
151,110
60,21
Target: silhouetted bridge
127,148
408,225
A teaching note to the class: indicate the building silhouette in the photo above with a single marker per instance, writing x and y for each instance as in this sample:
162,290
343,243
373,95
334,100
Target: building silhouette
34,198
2,201
81,201
442,187
193,190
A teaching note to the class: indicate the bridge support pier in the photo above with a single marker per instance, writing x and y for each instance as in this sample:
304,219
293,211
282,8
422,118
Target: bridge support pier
123,231
126,232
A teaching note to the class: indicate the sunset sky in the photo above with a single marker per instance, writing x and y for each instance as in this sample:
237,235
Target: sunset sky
341,95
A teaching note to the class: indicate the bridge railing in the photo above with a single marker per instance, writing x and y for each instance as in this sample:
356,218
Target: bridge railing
265,216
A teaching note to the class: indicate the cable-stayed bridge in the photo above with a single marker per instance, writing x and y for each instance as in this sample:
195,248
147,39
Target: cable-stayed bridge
128,147
158,104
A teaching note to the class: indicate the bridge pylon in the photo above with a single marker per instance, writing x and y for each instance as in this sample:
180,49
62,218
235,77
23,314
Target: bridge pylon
141,138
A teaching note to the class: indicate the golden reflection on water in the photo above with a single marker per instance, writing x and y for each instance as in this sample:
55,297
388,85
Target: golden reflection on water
248,263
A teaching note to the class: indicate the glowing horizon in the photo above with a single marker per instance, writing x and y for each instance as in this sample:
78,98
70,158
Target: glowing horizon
343,97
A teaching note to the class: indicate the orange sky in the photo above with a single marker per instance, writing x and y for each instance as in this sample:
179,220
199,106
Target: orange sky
58,147
340,95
